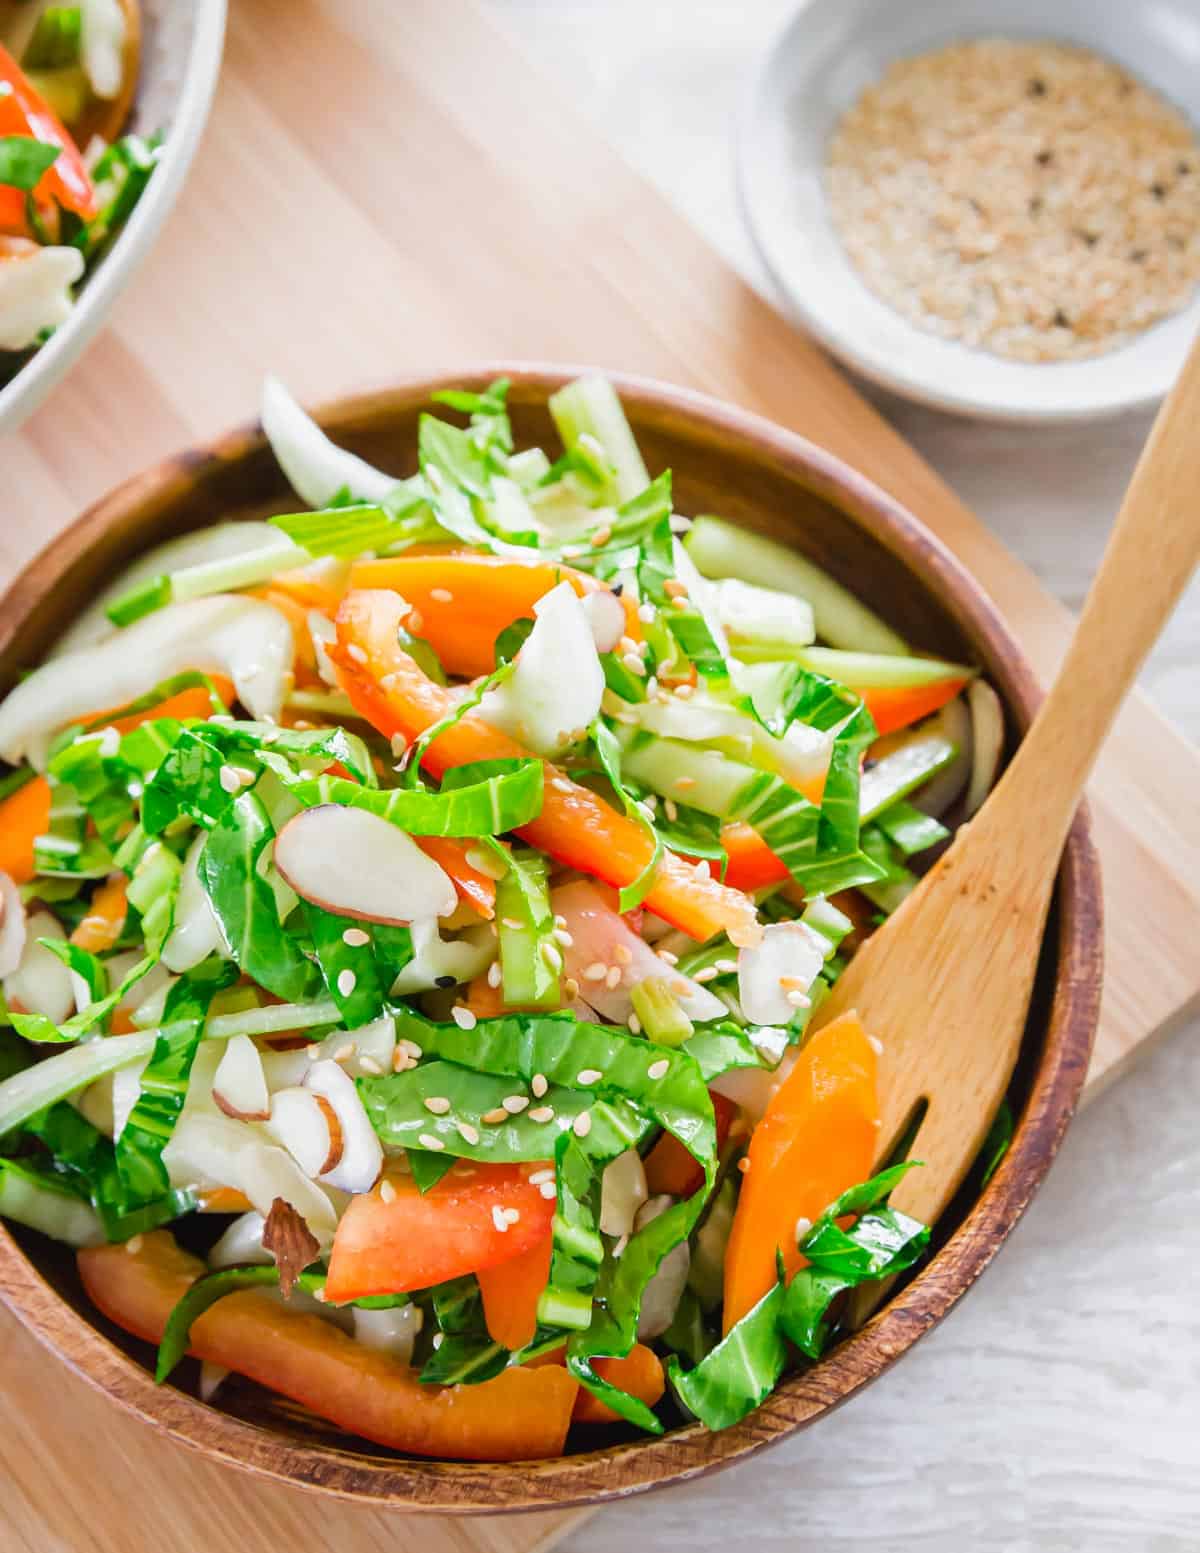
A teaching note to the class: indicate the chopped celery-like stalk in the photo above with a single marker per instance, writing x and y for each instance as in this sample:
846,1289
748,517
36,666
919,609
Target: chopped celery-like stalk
589,408
205,578
828,922
30,1091
911,764
862,671
528,468
530,960
663,1021
571,1308
720,549
669,767
32,1198
910,830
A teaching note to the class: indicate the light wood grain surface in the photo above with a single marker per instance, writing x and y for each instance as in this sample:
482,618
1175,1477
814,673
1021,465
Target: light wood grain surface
373,199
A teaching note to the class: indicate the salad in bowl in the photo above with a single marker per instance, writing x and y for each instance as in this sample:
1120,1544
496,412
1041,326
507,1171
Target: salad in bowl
70,175
417,911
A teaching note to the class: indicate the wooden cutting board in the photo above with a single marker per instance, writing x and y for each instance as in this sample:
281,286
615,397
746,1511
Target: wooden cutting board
386,189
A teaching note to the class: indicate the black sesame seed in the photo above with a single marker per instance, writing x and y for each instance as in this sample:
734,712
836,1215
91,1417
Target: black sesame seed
1061,321
1183,168
1138,255
1159,190
1044,158
445,981
617,589
1090,238
1037,87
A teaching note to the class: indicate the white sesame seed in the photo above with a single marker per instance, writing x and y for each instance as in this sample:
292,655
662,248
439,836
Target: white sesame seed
230,780
685,691
587,1076
632,661
515,1104
495,1116
345,1051
798,999
670,809
356,652
468,1133
582,1124
539,1084
320,1296
875,1044
463,1017
562,784
646,613
438,1104
619,1245
635,1025
665,954
542,1113
513,1215
387,1191
442,595
613,980
438,1339
401,1060
597,971
399,745
726,967
428,1141
561,936
513,924
538,1177
803,1226
706,973
484,863
355,938
623,954
499,1218
548,1190
346,982
413,1050
369,1065
570,988
602,536
552,956
134,1244
659,1069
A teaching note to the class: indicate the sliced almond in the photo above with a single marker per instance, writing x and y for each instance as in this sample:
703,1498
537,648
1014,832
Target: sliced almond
239,1084
290,1241
361,1159
308,1127
351,862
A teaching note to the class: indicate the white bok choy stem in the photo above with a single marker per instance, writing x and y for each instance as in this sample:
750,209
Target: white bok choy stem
317,468
243,638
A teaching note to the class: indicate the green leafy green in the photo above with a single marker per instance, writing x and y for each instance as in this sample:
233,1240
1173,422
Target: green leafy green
740,1372
244,903
997,1143
351,971
530,959
164,1081
23,161
464,1354
205,1293
909,830
485,798
56,39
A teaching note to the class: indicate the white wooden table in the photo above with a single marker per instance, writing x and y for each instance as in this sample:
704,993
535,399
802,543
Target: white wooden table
1059,1409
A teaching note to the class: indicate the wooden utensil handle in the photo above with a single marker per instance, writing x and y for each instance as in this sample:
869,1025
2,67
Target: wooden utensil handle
1153,550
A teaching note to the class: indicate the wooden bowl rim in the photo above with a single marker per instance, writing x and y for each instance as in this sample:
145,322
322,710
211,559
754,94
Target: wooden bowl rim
597,1476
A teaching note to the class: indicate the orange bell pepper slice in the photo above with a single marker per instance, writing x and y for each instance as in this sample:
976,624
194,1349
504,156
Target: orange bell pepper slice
465,600
818,1137
895,707
640,1373
24,816
511,1290
100,929
475,888
575,826
669,1166
26,114
522,1414
413,1241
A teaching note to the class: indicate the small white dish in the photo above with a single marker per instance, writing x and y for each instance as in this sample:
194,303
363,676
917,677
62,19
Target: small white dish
181,59
829,52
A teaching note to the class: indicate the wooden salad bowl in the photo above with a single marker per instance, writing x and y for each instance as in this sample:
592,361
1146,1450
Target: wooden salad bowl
750,471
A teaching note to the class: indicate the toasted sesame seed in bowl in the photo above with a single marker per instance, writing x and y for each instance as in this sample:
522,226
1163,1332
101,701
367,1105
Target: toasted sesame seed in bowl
992,206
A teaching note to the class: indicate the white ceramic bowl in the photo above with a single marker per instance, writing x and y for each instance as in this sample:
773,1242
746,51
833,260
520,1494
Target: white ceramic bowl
181,59
828,53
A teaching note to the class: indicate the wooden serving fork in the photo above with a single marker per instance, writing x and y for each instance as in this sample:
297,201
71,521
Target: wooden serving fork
945,984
